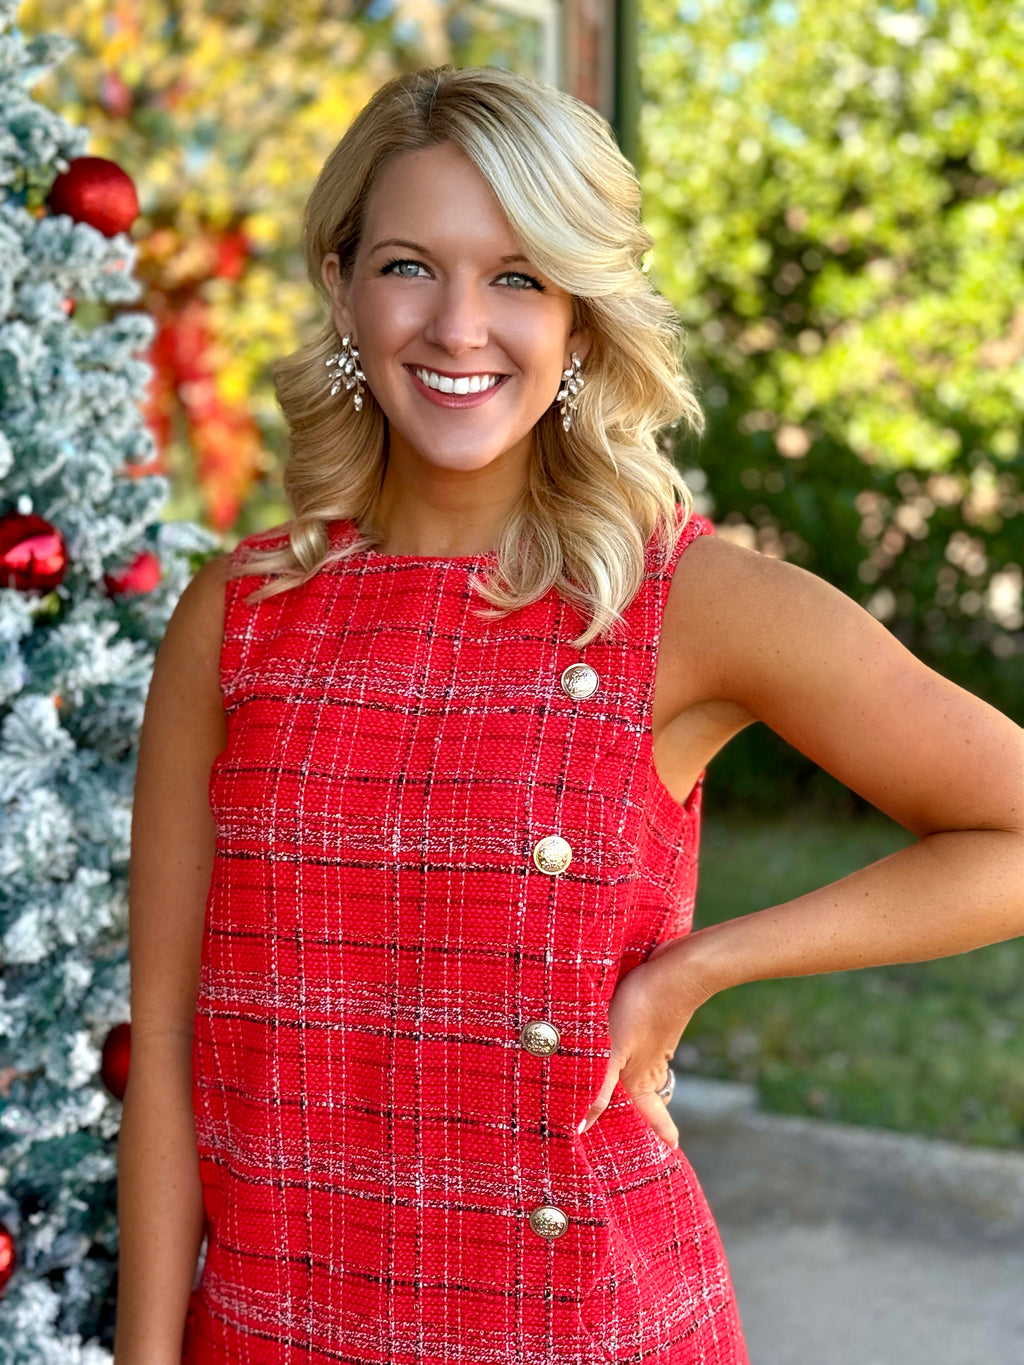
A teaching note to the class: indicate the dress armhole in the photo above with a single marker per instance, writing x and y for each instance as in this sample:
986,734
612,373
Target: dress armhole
690,529
238,626
694,527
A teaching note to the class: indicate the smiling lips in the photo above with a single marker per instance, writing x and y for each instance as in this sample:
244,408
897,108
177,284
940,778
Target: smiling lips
450,391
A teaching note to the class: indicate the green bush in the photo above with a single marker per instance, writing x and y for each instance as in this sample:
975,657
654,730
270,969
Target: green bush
837,197
935,1048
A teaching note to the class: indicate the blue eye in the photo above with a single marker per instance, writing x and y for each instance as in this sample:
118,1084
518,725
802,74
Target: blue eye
531,283
395,267
407,269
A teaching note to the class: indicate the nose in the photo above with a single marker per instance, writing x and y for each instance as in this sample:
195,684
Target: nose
459,320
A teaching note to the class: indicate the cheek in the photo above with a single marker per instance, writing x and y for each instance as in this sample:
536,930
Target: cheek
538,347
384,322
549,373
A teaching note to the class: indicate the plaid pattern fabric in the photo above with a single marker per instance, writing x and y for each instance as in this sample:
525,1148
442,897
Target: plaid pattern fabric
373,1133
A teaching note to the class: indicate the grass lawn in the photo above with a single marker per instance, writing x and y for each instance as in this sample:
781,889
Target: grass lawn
934,1048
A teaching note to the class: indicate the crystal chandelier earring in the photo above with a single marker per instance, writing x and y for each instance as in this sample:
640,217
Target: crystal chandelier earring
568,394
343,368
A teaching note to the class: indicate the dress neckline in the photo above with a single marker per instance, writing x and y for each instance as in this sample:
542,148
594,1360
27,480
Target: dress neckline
382,557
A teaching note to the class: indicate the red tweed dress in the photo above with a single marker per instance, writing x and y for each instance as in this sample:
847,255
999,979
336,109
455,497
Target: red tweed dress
437,853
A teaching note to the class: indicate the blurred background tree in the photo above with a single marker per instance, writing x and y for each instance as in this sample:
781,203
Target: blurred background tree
219,112
837,196
835,193
92,560
223,114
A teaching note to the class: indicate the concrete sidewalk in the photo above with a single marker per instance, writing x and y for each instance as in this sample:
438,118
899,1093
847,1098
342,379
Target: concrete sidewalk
852,1246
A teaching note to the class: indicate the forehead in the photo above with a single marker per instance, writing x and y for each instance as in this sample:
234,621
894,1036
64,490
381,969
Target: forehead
434,191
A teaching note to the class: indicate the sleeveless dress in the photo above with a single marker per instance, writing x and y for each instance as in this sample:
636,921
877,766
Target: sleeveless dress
437,853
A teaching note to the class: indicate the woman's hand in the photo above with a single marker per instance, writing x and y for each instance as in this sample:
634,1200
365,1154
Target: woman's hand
649,1010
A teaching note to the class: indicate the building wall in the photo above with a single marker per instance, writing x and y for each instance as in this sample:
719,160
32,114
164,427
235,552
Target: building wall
589,49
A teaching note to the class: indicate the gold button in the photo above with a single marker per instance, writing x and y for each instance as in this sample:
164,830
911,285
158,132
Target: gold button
548,1221
540,1037
579,681
552,855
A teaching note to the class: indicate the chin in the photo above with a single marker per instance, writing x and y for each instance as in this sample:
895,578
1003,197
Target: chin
468,453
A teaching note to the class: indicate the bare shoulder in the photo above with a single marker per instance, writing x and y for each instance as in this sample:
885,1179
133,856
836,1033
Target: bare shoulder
731,611
206,587
187,668
770,641
714,572
183,730
199,612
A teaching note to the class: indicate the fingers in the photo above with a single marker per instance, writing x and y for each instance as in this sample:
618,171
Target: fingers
655,1111
666,1091
651,1105
603,1095
643,1043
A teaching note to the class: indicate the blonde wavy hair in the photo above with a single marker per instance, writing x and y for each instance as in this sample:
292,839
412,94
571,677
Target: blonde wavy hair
595,495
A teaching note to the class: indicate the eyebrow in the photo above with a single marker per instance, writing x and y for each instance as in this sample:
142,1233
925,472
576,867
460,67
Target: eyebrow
424,251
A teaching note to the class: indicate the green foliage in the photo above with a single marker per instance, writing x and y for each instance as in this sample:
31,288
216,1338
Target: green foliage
935,1048
836,194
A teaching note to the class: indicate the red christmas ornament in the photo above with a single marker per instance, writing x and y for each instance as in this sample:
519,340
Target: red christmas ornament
32,553
8,1259
141,576
96,191
114,1061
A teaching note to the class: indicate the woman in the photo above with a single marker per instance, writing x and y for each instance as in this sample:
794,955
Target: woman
420,964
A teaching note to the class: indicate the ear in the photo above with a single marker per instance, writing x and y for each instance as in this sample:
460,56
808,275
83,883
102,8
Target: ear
579,342
338,289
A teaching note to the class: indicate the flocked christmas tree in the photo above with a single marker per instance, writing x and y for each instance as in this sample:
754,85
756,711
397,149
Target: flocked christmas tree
88,578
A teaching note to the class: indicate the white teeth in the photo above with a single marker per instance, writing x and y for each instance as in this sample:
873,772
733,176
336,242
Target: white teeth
475,383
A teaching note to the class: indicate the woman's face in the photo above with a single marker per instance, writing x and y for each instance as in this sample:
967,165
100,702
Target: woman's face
441,298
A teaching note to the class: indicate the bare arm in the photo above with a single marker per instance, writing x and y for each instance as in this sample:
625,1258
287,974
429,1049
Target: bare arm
797,654
160,1207
749,638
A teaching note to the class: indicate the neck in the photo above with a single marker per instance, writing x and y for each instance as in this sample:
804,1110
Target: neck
424,509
